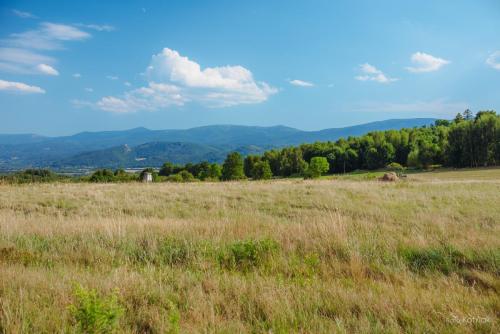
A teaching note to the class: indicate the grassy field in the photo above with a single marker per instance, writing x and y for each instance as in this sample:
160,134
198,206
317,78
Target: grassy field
347,255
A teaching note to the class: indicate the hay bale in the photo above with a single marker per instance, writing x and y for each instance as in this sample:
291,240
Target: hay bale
390,177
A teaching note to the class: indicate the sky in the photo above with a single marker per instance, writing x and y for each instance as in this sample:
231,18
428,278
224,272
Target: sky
68,67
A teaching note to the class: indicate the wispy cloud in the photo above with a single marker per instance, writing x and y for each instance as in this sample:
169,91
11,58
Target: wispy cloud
426,63
21,53
439,107
19,87
175,80
97,27
22,61
23,15
77,75
371,73
47,69
494,60
89,90
111,77
48,36
301,83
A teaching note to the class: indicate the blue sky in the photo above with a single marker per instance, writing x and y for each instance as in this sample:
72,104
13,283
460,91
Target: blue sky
67,67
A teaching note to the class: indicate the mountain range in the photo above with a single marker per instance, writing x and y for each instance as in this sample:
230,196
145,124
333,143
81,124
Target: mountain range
141,147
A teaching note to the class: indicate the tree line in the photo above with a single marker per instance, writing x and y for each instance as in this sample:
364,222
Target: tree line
466,141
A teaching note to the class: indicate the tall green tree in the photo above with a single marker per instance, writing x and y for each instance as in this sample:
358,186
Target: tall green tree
262,170
317,167
232,169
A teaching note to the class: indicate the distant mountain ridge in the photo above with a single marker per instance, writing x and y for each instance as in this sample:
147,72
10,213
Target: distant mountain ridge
151,147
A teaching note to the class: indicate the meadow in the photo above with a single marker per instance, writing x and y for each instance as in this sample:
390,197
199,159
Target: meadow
344,255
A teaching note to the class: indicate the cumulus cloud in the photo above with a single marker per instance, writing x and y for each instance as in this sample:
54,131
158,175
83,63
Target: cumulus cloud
175,80
23,15
301,83
47,69
426,63
151,98
19,87
371,73
494,60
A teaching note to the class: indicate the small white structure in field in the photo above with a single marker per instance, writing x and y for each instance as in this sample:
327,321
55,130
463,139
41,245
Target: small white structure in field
147,177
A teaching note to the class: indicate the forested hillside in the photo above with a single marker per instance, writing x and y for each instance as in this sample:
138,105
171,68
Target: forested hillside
467,141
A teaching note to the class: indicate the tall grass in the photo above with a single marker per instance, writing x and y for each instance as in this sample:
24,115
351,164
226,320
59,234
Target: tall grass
341,256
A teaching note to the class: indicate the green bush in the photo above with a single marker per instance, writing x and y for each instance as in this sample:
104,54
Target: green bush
182,176
317,167
174,251
93,313
262,170
247,254
102,175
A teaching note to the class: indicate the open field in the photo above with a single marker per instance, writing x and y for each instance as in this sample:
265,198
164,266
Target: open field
347,255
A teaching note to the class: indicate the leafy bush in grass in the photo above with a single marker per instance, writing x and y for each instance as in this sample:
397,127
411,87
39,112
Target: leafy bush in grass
174,251
446,259
247,254
102,175
93,313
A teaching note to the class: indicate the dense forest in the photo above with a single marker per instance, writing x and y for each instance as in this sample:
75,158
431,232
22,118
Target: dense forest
467,141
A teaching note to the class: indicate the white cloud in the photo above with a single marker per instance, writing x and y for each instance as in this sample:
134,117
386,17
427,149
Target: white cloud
24,15
111,77
151,98
47,69
48,36
371,73
97,27
175,80
20,52
19,87
77,75
22,61
494,60
128,84
426,63
301,83
90,90
439,107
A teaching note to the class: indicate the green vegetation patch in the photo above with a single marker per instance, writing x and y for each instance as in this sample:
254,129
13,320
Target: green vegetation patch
247,254
446,259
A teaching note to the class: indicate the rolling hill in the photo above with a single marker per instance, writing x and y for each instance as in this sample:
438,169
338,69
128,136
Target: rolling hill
143,147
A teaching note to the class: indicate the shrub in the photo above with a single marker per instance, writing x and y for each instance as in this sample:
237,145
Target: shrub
182,176
102,175
186,176
395,167
247,254
262,171
93,313
174,251
443,259
317,167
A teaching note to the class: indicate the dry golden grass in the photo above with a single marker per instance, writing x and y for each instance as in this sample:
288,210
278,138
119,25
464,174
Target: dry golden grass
420,255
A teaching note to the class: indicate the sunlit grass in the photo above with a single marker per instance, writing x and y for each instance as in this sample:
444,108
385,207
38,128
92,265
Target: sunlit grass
343,255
